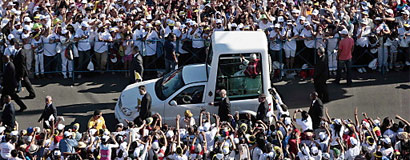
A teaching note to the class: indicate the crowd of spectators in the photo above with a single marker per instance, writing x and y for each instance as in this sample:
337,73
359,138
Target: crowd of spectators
305,135
61,36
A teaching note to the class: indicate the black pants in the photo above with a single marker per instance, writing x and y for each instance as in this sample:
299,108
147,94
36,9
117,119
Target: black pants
150,64
321,89
26,83
342,64
12,93
50,64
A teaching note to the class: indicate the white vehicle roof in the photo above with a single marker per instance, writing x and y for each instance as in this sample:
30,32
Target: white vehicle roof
244,41
194,73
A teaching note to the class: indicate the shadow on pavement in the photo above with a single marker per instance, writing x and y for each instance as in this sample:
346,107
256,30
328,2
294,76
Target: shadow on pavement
80,113
295,93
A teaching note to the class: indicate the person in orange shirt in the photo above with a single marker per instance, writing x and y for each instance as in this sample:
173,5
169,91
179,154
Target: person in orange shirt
346,47
97,121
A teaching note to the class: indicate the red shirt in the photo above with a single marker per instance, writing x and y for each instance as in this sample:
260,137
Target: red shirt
345,48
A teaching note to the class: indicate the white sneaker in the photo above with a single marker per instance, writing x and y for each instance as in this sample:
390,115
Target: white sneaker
70,76
65,76
79,76
364,70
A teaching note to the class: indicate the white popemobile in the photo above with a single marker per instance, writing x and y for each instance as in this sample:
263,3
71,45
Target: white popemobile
231,59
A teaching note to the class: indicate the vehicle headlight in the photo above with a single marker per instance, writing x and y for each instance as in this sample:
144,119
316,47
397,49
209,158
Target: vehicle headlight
126,111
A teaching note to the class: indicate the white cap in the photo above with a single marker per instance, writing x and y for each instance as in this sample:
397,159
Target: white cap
27,28
14,133
157,22
155,145
24,36
353,141
218,21
84,1
315,150
281,19
389,11
92,132
67,133
386,140
315,12
345,32
84,24
302,18
11,4
234,25
10,36
338,121
27,19
105,138
148,25
288,120
277,25
306,24
137,22
406,12
326,155
170,133
295,11
322,135
64,31
60,126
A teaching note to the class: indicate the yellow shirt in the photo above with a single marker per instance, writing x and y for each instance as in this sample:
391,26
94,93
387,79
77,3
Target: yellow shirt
97,123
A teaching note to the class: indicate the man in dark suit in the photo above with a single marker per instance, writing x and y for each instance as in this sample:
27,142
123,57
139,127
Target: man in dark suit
145,109
316,110
49,110
136,65
8,117
224,106
262,111
21,73
10,83
321,75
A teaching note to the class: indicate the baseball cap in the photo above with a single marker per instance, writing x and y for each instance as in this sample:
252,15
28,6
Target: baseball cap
344,31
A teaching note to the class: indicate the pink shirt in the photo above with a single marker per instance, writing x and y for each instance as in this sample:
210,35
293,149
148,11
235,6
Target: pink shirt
345,48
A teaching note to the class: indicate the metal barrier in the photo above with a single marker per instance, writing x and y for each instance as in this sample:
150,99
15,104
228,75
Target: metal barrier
195,55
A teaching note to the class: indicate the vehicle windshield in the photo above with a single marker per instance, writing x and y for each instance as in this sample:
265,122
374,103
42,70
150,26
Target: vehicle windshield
169,84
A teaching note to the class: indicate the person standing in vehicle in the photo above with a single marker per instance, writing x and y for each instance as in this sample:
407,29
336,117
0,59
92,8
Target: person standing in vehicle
224,106
145,108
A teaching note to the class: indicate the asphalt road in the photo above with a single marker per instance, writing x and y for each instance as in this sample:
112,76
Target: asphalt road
378,95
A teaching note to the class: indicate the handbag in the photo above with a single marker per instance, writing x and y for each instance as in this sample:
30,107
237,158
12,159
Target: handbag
75,51
69,53
90,66
58,48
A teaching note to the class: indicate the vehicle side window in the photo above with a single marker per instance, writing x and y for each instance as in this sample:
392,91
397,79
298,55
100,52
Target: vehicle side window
240,75
191,95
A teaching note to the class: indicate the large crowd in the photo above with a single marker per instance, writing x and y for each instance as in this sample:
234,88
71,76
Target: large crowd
44,37
305,135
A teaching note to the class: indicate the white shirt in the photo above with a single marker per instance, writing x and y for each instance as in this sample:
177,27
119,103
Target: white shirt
11,51
275,44
210,138
332,43
307,34
263,26
402,32
50,48
151,43
6,148
305,124
256,153
101,46
83,44
351,153
197,40
363,41
290,45
137,36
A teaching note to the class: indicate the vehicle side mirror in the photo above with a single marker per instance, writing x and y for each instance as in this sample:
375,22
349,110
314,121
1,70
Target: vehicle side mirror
173,103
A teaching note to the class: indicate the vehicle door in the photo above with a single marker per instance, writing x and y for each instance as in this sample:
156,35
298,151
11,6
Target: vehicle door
189,97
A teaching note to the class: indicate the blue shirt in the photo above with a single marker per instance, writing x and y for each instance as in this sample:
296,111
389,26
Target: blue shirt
67,145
